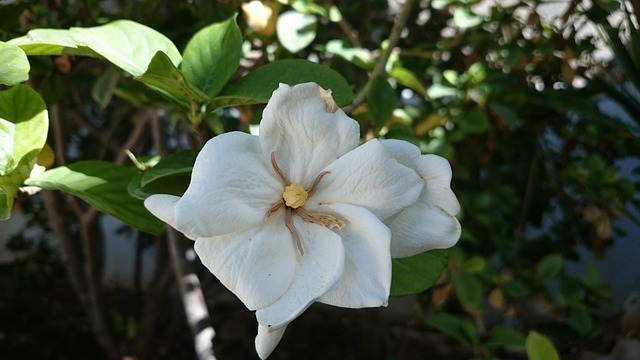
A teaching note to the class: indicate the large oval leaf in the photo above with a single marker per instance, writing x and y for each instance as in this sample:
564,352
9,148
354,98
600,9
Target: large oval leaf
257,86
104,186
212,56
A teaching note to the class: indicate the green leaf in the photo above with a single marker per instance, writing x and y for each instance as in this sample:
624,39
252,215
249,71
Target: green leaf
409,79
501,336
296,30
164,77
462,329
580,319
172,184
415,274
465,18
469,290
15,65
104,186
174,164
50,42
23,126
474,121
258,85
358,56
549,267
381,100
212,56
10,183
539,347
127,44
105,85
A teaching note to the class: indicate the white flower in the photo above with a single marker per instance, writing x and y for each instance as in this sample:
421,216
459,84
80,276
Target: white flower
430,223
295,215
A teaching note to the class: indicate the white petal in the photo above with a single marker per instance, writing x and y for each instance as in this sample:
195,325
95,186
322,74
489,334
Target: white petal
257,265
231,188
267,339
318,270
367,270
403,151
370,178
421,228
304,135
163,207
436,172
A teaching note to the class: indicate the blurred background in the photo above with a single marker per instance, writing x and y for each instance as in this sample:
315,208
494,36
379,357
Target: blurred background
534,103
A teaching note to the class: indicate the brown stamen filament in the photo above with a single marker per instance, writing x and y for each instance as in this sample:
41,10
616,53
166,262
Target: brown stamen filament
315,183
279,171
326,220
288,222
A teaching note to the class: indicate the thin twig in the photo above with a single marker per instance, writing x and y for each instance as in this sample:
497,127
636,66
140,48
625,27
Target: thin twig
394,37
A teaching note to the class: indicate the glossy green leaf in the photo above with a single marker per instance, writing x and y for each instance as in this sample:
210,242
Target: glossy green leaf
212,56
539,347
171,184
15,65
174,164
23,126
549,267
469,290
381,100
296,30
128,45
168,80
104,186
415,274
258,85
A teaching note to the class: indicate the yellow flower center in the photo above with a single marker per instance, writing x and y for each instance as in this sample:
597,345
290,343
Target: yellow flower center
294,195
293,198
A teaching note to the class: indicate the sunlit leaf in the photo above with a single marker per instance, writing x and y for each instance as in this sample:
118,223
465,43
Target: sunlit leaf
23,126
15,65
539,347
104,186
296,30
212,56
128,45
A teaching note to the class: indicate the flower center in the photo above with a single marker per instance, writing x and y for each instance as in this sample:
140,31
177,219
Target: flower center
293,198
294,195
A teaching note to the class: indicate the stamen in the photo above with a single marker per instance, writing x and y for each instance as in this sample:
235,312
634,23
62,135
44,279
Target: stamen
274,207
329,221
314,185
288,222
279,171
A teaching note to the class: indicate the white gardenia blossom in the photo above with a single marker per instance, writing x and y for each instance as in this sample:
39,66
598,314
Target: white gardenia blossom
301,213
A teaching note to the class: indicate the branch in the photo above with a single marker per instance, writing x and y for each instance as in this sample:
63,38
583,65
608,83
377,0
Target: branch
394,37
